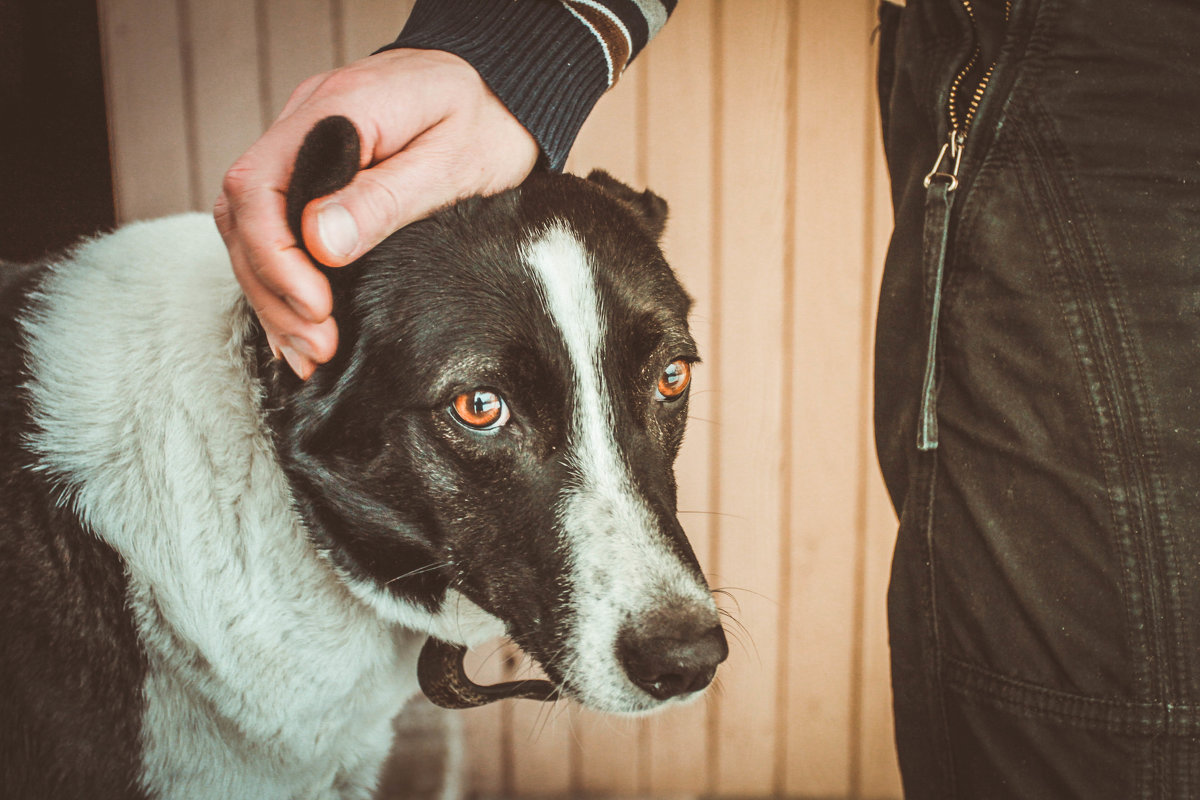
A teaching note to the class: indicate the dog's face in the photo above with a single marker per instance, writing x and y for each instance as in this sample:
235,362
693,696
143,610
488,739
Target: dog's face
501,423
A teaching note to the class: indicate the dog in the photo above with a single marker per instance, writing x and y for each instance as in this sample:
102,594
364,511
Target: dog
217,580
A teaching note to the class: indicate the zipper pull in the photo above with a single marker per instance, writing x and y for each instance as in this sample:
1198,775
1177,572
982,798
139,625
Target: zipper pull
954,148
939,198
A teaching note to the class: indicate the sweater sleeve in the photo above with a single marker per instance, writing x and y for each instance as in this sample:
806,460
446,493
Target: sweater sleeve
548,61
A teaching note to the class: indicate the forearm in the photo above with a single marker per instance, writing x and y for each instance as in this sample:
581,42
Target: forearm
547,61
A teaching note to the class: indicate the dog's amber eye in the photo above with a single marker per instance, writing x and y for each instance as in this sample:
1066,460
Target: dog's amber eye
674,381
480,409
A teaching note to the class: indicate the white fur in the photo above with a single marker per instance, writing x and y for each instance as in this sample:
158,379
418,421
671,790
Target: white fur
269,675
620,562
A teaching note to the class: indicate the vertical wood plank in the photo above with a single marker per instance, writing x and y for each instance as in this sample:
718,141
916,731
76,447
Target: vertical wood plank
879,772
223,49
608,140
678,158
609,754
542,748
827,392
368,25
144,87
750,376
299,43
484,728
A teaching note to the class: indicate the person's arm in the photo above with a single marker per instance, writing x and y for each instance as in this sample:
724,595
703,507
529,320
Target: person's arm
548,61
436,127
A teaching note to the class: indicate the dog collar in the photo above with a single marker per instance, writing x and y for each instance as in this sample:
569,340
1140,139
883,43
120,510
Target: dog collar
443,679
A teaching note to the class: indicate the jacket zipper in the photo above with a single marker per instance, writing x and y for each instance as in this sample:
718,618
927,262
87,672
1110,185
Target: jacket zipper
960,119
940,185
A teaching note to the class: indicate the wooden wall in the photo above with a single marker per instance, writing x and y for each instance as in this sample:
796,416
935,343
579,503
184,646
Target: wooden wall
755,119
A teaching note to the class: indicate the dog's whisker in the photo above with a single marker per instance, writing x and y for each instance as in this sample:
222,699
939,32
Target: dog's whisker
496,652
706,513
739,632
722,592
550,713
728,591
726,614
418,571
747,644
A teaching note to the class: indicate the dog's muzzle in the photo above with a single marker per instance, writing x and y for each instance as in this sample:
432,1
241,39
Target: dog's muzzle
444,680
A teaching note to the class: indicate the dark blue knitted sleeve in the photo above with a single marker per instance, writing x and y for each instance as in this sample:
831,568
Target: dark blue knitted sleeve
548,61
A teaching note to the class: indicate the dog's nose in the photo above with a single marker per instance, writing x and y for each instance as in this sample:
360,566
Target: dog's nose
672,654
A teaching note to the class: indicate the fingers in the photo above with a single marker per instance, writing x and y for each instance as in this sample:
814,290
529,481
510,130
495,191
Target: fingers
293,333
289,295
265,254
431,131
406,187
460,156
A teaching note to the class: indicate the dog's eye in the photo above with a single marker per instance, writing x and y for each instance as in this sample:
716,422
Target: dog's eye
480,410
674,381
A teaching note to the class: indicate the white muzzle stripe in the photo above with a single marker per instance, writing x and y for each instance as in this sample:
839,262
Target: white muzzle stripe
619,561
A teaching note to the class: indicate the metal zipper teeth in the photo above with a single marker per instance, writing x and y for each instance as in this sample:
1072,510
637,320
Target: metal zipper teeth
960,127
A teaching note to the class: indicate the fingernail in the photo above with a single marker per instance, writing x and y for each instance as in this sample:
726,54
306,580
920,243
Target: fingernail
296,362
337,229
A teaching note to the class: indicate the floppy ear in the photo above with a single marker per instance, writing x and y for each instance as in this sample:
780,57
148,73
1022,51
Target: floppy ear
649,207
327,161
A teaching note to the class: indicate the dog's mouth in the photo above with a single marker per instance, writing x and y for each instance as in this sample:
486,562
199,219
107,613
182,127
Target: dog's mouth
443,679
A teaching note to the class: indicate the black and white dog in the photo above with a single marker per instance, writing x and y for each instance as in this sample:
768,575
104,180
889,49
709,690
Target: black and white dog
215,580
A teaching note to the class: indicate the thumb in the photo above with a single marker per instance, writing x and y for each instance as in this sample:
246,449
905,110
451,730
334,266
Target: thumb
379,201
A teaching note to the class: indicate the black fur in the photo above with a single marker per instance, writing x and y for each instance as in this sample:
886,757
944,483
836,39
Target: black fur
71,669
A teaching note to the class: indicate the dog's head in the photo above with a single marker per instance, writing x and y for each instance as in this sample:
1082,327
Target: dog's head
498,429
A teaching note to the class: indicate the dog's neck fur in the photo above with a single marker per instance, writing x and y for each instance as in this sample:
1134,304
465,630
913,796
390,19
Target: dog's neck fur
337,670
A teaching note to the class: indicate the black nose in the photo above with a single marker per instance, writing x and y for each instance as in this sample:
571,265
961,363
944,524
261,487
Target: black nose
673,653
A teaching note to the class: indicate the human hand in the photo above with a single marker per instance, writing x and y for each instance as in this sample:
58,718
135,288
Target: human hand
432,133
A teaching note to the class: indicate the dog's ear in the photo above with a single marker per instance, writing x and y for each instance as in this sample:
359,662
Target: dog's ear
649,207
327,161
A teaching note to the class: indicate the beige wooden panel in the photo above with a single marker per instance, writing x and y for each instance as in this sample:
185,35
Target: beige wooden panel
677,155
298,41
224,68
486,729
144,88
828,393
542,751
368,25
750,376
879,775
608,140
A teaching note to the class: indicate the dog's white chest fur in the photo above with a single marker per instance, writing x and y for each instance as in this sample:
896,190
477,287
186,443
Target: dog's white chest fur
267,677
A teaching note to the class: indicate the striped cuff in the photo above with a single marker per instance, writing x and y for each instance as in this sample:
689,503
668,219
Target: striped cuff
548,61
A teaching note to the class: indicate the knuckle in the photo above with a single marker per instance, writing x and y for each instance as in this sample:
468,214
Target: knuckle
382,201
237,180
223,215
308,86
342,83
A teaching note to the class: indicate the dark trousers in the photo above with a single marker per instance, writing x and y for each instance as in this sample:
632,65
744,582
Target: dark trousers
1045,596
